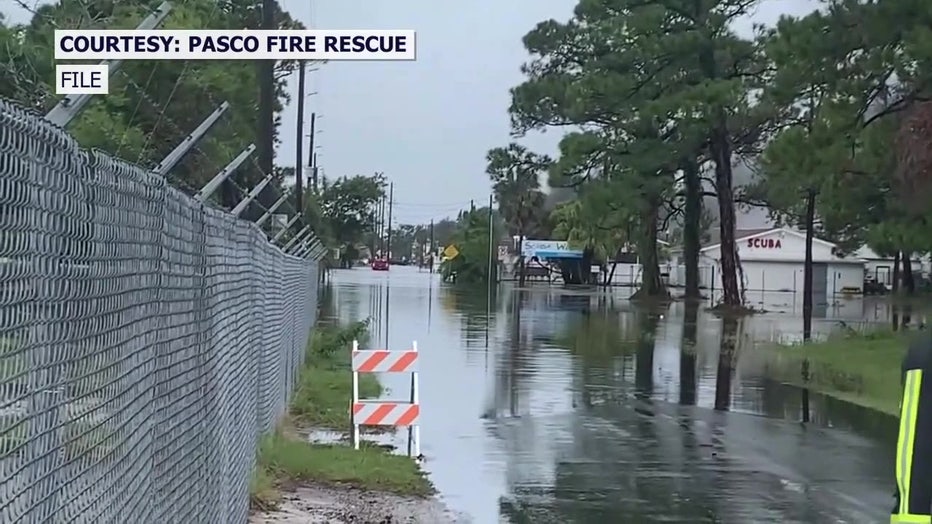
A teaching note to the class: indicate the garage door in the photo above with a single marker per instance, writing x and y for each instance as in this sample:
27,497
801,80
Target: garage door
769,276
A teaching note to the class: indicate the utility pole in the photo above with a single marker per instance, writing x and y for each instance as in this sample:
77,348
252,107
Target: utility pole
298,172
468,217
431,245
375,234
388,242
314,171
266,70
490,250
311,155
381,225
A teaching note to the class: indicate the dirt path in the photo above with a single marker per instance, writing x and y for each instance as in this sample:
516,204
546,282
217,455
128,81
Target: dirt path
317,504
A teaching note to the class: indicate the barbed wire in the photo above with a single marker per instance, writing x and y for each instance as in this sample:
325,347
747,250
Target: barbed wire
144,96
160,109
34,11
31,87
241,191
132,117
163,117
38,86
289,205
163,109
458,205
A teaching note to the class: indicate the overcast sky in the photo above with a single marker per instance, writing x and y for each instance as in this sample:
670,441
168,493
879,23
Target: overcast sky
427,124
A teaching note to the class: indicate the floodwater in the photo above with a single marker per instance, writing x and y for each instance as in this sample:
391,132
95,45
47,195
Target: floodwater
549,405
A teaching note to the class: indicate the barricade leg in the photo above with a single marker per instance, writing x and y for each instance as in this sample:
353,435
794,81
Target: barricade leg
914,445
354,427
414,431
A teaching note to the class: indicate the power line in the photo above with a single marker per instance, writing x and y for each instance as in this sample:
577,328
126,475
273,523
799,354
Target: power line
432,206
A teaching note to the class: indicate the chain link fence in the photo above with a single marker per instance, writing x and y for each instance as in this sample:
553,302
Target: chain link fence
146,339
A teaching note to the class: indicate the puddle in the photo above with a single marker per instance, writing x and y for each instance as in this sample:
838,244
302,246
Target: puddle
393,441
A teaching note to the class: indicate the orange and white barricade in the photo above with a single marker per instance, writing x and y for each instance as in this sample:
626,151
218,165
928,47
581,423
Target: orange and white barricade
387,412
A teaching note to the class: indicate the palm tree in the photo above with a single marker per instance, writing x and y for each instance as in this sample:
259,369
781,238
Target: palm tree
515,175
590,227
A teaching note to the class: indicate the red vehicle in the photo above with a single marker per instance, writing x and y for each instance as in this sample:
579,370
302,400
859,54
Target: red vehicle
380,264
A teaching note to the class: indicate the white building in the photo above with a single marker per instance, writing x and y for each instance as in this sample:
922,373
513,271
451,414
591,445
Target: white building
773,260
880,268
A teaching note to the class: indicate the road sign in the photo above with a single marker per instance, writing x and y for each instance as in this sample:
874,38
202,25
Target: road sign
451,252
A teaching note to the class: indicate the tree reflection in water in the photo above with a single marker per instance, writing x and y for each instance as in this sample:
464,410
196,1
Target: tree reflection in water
688,386
726,362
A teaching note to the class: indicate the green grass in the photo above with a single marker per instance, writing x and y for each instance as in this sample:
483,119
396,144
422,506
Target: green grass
324,391
287,460
322,401
862,368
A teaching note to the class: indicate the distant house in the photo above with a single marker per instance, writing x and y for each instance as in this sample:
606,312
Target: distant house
880,268
772,259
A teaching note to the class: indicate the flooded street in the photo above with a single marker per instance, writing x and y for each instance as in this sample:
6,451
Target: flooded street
546,405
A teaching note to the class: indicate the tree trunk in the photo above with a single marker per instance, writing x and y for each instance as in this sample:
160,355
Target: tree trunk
807,266
585,266
520,258
575,271
566,271
651,284
720,151
896,272
611,274
730,264
909,282
691,227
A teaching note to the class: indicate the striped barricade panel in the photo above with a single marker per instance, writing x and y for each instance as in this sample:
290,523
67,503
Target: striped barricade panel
382,361
375,413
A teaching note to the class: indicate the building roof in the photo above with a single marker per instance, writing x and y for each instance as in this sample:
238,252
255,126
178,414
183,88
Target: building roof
715,236
744,234
867,253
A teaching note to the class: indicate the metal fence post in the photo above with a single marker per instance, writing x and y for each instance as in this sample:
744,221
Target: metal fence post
295,238
171,160
218,179
241,206
286,227
268,213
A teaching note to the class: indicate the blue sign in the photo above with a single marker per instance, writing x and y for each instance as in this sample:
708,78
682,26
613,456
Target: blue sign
549,249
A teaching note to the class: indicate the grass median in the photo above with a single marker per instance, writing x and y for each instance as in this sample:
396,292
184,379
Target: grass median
862,368
324,390
321,401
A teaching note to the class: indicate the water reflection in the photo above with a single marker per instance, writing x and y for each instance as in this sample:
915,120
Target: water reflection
544,405
726,362
687,368
644,355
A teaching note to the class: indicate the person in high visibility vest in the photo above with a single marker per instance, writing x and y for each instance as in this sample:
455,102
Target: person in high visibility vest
914,445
